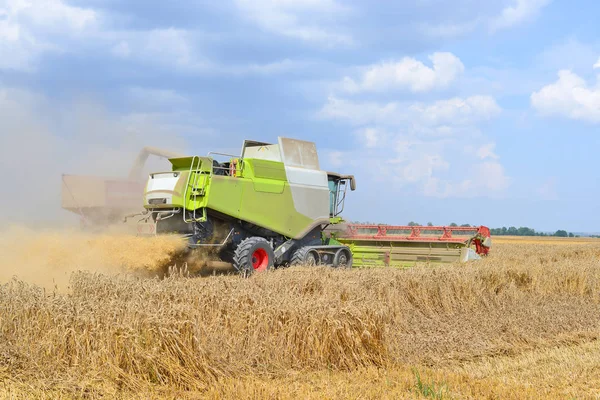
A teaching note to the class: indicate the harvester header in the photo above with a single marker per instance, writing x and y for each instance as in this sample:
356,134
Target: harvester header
389,244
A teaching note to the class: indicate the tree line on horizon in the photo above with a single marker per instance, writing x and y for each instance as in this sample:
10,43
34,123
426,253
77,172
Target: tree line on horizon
524,231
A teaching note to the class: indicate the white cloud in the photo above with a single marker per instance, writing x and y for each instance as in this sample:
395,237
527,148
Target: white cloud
335,158
431,168
272,68
422,168
121,49
486,179
419,146
371,137
410,162
18,48
297,19
520,11
597,65
30,28
517,12
173,46
569,53
570,96
50,14
9,32
26,27
454,111
403,160
457,110
159,98
359,113
408,73
446,30
483,152
170,47
179,49
492,175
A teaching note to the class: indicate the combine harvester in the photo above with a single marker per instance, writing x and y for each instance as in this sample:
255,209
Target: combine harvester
273,206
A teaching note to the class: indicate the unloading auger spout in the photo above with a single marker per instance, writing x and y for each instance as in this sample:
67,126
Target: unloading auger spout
103,201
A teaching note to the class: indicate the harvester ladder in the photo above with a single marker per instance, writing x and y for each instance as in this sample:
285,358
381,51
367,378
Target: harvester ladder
194,185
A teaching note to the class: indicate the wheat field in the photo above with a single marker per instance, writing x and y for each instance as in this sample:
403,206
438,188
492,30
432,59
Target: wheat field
545,240
92,317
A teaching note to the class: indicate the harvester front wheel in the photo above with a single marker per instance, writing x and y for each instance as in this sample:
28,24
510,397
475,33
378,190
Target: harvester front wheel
253,254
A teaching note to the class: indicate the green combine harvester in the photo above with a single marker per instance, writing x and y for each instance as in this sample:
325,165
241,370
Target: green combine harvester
273,206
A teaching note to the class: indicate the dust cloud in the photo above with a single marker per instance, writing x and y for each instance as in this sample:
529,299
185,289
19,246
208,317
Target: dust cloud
42,243
47,258
45,139
41,141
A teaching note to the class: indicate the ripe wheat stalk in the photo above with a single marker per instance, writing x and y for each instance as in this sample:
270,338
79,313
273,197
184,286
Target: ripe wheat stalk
179,333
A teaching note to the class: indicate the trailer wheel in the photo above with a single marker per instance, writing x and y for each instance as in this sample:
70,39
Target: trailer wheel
254,254
343,258
306,256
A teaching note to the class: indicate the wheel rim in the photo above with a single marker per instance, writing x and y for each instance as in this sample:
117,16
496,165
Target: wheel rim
343,260
260,260
311,258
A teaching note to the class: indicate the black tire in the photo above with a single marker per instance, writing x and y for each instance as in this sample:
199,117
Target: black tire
253,254
305,256
343,258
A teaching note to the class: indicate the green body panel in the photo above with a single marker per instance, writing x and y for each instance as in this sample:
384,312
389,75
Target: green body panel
266,186
180,190
184,163
274,211
265,169
224,194
269,176
330,241
260,194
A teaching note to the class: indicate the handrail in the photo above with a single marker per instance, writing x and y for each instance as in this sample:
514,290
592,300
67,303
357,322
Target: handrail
187,185
195,182
340,197
225,169
221,154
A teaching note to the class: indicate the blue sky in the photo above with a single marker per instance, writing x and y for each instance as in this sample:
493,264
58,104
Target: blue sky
446,111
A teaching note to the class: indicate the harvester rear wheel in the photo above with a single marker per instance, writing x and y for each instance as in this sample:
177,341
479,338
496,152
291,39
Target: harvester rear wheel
343,258
254,254
306,256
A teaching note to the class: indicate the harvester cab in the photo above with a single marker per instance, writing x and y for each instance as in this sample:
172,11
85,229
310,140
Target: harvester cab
265,208
338,186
